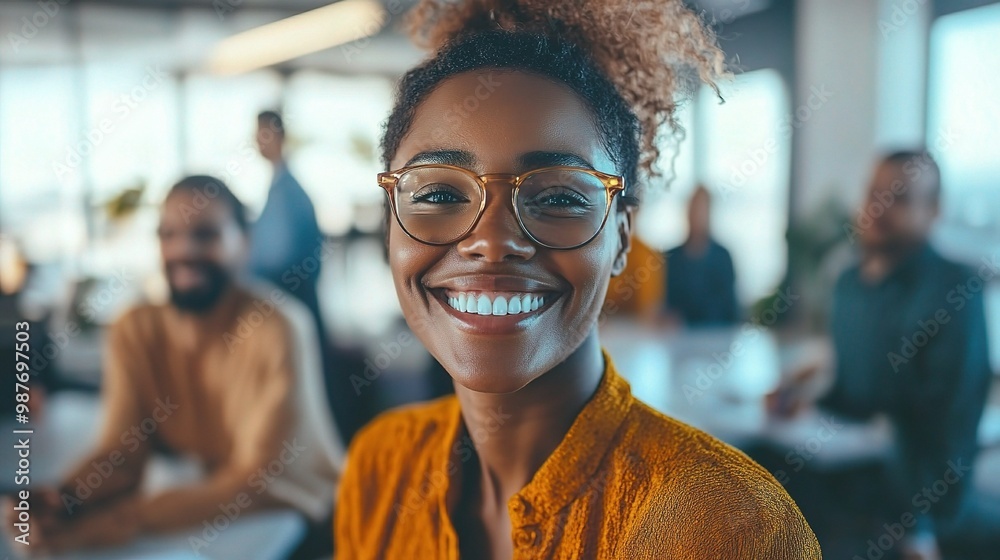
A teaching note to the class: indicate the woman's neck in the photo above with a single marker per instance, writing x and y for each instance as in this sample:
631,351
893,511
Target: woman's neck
514,433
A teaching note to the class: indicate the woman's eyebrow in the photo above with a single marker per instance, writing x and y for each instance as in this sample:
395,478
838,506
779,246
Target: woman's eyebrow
534,160
460,158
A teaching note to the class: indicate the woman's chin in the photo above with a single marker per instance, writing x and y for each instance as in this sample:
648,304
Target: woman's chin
492,382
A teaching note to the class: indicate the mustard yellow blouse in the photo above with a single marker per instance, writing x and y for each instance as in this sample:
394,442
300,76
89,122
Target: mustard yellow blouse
640,289
626,482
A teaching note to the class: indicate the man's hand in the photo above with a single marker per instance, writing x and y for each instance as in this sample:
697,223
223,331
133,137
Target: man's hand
114,524
102,528
46,516
46,509
792,397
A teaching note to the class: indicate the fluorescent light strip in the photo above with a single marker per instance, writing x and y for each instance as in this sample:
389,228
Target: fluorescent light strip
299,35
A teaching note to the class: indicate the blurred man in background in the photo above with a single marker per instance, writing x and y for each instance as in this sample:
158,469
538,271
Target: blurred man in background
909,336
286,238
286,249
224,373
701,281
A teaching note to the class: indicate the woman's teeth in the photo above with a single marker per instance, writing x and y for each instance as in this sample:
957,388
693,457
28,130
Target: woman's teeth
483,304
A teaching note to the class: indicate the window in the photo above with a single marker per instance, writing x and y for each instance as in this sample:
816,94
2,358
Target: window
334,123
964,116
42,180
963,134
740,150
220,124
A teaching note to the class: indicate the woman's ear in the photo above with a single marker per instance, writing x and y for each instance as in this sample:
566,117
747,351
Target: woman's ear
625,221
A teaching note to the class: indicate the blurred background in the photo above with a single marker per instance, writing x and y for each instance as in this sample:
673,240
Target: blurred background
104,104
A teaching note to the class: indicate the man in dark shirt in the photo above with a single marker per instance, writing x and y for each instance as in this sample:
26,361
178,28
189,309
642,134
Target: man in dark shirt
909,336
701,282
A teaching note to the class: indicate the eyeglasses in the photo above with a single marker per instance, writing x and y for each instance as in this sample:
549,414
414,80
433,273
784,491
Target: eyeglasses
557,207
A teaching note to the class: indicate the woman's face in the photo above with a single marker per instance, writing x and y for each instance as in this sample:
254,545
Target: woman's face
503,122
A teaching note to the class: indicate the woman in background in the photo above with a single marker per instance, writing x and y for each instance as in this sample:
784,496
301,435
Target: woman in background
515,155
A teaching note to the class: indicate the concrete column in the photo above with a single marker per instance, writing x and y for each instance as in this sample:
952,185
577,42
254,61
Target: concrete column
861,68
836,101
903,32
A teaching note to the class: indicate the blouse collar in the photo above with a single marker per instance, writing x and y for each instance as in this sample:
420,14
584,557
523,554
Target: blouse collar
567,472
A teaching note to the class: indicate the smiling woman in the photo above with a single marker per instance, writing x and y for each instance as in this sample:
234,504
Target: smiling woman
514,158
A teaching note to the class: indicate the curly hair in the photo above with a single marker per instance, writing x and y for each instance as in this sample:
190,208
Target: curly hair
631,61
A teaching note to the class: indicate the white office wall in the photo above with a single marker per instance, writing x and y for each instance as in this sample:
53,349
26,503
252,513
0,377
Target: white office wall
835,101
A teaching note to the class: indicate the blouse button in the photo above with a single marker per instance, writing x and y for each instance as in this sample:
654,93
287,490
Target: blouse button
527,536
521,507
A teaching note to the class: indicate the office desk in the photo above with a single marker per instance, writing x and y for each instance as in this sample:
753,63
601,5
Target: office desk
717,380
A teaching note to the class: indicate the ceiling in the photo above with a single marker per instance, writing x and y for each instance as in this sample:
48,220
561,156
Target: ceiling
179,34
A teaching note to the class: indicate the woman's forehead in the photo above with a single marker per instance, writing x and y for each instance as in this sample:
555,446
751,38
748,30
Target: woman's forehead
501,118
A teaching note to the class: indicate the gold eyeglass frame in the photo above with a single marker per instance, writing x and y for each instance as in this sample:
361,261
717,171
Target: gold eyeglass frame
613,184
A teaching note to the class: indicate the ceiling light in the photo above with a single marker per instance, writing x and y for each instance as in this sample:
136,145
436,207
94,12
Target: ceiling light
302,34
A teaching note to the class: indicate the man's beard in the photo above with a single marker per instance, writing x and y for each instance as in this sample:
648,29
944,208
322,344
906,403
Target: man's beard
200,300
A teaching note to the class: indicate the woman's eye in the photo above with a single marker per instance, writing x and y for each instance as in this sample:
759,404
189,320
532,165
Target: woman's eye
438,196
563,200
560,199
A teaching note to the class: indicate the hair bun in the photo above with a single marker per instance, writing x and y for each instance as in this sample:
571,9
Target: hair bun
654,51
432,23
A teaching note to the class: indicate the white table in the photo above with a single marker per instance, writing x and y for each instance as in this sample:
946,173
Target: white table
264,536
717,380
68,429
714,379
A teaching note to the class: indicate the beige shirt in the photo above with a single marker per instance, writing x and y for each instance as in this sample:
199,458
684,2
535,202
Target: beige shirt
240,389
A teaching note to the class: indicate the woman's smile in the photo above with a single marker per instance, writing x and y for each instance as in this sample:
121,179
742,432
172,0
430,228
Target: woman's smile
494,304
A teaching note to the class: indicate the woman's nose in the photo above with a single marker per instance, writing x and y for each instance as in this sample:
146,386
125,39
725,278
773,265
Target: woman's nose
497,236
